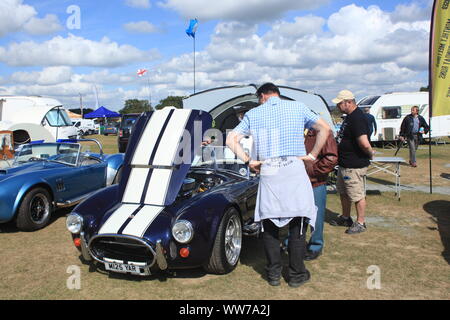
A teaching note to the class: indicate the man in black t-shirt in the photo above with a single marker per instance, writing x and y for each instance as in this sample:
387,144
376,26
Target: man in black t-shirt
355,153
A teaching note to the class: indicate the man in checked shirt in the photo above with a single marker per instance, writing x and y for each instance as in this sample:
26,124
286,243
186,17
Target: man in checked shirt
285,195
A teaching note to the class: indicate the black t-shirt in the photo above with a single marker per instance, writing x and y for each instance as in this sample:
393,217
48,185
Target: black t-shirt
350,154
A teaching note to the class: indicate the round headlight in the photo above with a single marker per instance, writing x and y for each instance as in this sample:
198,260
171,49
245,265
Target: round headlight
183,231
74,222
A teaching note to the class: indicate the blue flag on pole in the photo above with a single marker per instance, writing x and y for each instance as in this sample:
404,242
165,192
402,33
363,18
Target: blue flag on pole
193,25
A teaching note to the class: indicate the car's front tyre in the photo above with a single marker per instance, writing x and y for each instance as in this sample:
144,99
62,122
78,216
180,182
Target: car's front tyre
35,210
227,245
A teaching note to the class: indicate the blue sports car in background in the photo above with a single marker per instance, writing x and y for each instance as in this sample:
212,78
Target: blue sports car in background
46,176
166,214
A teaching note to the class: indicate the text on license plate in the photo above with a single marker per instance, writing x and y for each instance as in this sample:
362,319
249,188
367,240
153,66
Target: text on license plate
126,268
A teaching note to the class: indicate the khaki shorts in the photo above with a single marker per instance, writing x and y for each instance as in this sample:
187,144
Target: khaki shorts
351,183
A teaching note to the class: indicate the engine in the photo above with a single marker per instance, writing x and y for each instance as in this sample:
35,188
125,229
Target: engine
197,183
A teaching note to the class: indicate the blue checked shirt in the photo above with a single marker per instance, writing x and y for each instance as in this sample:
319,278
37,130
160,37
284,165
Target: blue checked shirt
277,128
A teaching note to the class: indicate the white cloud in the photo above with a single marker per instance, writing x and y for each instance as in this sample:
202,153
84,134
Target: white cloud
356,47
302,26
141,27
48,25
411,12
48,76
355,35
363,49
16,16
249,10
73,51
142,4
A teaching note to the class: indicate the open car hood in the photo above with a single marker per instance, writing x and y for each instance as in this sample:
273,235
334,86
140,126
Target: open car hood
160,153
222,103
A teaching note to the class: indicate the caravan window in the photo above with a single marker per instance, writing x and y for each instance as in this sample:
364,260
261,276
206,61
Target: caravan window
58,118
391,112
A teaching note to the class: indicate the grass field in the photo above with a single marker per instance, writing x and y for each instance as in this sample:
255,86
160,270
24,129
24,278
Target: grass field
404,243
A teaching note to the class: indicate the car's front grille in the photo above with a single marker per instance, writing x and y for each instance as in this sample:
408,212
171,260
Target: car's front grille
118,247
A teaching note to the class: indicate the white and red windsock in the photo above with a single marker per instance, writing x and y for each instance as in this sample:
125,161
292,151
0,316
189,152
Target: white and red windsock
141,72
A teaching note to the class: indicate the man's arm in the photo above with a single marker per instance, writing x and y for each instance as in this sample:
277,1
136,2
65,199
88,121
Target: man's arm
364,144
423,123
233,142
403,129
323,130
374,125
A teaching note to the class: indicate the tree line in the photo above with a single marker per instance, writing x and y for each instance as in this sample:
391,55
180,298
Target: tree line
139,106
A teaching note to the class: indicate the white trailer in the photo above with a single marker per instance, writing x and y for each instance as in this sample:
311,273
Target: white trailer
34,118
390,109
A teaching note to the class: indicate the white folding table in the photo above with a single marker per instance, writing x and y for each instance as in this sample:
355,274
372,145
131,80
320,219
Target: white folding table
390,165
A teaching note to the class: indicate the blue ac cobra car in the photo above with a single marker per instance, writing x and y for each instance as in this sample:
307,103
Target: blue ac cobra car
168,214
45,176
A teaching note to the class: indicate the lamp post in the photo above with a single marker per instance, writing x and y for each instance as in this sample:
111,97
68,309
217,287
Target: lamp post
81,105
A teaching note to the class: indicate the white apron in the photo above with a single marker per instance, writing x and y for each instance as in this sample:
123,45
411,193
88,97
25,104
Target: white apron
284,192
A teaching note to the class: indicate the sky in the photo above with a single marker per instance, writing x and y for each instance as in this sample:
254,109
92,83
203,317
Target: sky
67,49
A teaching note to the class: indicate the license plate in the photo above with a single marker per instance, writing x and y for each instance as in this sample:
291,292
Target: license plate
127,268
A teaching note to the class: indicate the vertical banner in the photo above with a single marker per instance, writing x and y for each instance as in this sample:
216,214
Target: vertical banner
440,59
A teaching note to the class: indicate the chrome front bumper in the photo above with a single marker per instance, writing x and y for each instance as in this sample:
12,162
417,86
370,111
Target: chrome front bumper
158,255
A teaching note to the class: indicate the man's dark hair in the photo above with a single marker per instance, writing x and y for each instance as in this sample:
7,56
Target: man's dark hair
267,88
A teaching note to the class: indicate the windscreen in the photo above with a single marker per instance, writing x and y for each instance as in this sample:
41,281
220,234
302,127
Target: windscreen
219,157
58,118
66,153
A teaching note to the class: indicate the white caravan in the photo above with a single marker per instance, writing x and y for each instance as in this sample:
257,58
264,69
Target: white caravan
33,118
390,109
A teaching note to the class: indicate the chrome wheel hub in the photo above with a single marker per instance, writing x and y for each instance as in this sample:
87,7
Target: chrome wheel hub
233,240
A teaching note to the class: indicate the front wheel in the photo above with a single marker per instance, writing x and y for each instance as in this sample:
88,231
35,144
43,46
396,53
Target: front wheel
227,245
35,210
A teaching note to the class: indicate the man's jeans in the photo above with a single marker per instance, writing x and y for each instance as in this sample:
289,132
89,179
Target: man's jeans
320,199
413,144
296,247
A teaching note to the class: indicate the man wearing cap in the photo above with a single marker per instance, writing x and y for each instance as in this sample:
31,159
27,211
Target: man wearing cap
355,153
285,195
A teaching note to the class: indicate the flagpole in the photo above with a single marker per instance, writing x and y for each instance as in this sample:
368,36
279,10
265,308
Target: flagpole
190,31
194,62
430,85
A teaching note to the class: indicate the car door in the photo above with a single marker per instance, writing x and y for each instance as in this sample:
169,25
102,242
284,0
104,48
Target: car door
92,174
68,183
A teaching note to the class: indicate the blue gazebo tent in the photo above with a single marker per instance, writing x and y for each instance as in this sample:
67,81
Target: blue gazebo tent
102,112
